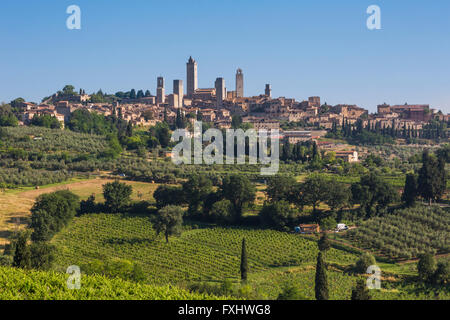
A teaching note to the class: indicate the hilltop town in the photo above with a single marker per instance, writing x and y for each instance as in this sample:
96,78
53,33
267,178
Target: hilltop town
217,105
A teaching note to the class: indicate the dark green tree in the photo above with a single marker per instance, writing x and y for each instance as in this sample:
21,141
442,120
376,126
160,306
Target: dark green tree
321,281
69,90
42,255
314,190
236,121
441,276
279,215
240,191
324,243
315,152
222,212
129,131
117,195
169,221
162,132
338,195
360,292
432,177
168,195
51,212
426,267
373,193
281,188
286,151
410,191
365,261
22,254
7,117
88,206
179,121
195,190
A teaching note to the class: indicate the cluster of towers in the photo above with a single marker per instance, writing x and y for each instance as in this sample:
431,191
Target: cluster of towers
192,86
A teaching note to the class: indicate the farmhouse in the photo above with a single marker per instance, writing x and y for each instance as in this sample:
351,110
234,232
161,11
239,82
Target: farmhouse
309,228
347,156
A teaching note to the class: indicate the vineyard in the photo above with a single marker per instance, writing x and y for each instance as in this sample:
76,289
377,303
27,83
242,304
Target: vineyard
17,284
340,285
406,233
200,254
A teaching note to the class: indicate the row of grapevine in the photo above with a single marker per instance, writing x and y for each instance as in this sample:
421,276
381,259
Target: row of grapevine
199,254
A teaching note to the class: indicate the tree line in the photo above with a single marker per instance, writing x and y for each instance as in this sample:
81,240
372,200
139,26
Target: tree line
376,133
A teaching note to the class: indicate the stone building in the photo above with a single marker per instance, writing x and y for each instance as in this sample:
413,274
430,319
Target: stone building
220,91
191,78
239,83
160,91
268,90
178,90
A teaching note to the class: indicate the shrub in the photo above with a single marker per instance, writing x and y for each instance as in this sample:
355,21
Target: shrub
442,273
426,266
222,212
116,268
366,260
290,292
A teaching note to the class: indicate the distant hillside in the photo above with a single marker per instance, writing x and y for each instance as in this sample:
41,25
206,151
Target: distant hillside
17,284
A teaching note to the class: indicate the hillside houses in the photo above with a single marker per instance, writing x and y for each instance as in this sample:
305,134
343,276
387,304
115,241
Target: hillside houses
263,111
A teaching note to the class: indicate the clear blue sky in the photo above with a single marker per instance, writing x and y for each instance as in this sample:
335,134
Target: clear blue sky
303,48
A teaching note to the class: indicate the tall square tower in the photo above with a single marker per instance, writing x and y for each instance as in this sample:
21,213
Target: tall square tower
191,77
239,83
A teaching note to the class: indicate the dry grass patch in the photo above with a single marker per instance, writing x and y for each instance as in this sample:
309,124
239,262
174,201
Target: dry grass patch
15,206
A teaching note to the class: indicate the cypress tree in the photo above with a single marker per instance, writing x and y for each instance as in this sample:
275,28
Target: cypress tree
321,287
410,191
324,244
432,177
22,255
360,292
286,151
315,152
129,129
244,263
165,116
